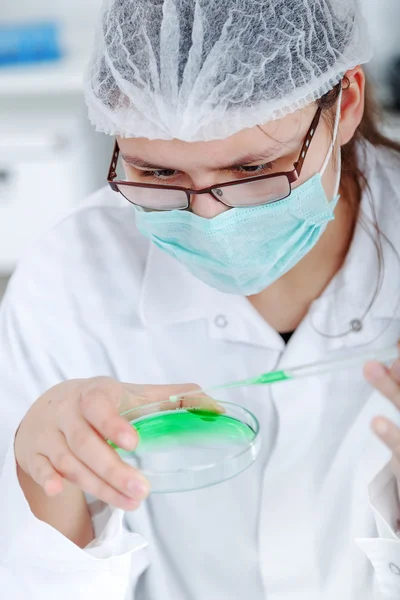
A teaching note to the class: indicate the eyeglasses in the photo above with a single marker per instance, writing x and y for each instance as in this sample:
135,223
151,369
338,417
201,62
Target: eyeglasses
252,191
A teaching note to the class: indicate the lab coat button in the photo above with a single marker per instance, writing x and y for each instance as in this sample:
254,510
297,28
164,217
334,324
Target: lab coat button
221,321
356,325
394,568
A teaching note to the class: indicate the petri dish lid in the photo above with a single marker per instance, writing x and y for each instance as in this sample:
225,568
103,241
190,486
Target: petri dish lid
184,448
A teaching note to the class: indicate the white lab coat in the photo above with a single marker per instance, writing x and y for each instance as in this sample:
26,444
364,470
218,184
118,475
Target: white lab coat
95,298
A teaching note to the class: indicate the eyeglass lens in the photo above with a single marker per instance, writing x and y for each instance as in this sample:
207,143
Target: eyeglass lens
253,193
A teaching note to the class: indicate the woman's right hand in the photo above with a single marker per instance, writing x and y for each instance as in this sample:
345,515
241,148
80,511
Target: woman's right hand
63,437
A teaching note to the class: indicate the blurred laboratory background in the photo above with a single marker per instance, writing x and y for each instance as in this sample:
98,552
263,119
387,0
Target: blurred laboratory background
50,158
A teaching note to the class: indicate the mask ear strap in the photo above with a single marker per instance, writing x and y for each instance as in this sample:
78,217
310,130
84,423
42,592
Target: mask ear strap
335,131
339,175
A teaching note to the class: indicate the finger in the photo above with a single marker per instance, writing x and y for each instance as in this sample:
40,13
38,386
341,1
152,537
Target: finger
93,452
158,393
43,473
389,433
395,371
99,405
167,393
199,400
72,469
202,404
379,376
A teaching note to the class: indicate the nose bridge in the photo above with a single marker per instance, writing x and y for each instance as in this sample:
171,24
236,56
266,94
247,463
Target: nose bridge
203,191
212,190
204,204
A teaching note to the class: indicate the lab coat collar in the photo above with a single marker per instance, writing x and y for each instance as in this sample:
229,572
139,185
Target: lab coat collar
171,295
344,314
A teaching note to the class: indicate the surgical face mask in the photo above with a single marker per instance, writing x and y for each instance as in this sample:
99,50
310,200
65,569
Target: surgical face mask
244,250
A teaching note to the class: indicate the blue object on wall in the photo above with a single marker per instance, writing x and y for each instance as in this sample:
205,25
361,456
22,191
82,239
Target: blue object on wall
32,43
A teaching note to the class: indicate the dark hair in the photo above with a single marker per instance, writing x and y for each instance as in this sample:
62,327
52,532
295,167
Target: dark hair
368,130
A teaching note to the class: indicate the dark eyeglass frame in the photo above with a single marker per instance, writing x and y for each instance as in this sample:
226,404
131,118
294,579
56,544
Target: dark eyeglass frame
291,176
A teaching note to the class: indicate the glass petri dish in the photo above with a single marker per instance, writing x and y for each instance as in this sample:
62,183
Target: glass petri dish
184,448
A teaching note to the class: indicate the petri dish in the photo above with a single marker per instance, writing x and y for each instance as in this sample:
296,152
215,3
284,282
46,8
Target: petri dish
183,448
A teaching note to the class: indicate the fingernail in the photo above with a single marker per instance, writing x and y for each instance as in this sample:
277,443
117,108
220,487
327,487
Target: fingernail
126,441
381,427
138,488
376,371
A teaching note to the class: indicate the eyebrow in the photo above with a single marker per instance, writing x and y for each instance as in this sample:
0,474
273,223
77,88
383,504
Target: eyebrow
242,161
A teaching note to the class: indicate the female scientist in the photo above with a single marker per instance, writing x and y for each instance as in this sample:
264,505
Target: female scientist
258,226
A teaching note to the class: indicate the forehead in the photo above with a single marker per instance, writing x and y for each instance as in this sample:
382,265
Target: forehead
273,139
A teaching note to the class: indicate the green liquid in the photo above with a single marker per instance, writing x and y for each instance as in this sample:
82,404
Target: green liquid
192,427
273,377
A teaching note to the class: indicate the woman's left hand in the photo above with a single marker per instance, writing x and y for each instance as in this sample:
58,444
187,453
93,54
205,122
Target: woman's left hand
387,381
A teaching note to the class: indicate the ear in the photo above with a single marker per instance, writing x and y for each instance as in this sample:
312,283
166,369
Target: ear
353,101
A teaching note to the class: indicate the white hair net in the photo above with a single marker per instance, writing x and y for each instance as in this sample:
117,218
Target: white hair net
198,70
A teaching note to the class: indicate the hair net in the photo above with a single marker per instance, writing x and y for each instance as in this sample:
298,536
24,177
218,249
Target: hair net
198,70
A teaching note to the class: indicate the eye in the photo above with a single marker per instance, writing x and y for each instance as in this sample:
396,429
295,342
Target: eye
256,169
162,174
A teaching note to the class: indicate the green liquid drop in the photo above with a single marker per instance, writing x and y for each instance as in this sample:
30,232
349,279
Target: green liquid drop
190,428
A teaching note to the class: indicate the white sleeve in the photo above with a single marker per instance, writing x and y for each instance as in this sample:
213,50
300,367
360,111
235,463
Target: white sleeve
384,551
36,561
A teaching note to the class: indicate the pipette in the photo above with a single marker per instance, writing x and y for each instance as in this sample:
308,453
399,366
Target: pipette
384,355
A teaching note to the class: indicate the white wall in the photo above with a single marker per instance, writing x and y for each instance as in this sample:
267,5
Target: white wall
50,156
77,17
64,9
383,17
